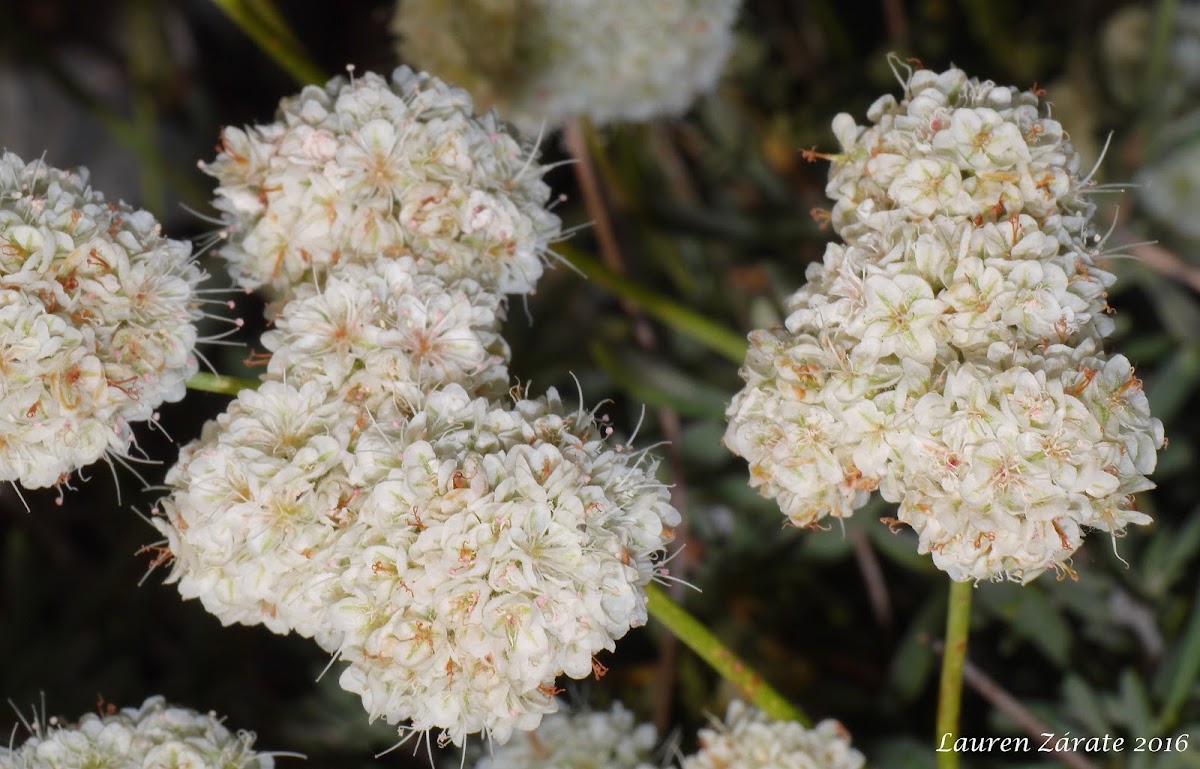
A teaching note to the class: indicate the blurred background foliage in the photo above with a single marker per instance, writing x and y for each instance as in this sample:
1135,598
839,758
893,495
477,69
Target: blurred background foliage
712,216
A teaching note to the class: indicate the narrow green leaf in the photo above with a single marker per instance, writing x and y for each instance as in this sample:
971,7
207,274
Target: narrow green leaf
1030,616
264,25
1175,306
913,663
666,311
1084,705
658,384
1174,383
1135,704
225,385
1168,555
1185,665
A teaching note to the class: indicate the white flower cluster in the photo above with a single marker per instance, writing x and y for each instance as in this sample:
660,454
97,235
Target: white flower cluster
365,168
153,736
385,331
613,739
459,558
97,322
546,61
749,740
948,351
601,739
379,495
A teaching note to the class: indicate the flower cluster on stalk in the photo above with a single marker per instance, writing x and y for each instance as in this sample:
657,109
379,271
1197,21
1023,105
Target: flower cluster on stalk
586,739
153,736
458,546
98,317
368,167
613,739
948,351
543,62
748,739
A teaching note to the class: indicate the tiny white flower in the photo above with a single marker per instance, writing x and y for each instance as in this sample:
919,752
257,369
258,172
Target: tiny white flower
383,331
928,186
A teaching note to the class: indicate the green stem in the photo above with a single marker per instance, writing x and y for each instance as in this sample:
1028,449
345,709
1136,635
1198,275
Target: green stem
701,640
264,25
954,657
224,385
676,316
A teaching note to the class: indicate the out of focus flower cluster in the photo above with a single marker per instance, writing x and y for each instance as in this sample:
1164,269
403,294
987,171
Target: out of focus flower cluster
153,736
97,322
382,492
948,350
612,739
543,62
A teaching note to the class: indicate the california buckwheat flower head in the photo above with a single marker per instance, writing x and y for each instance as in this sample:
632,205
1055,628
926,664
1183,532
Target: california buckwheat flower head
384,331
459,556
588,739
546,61
367,168
257,505
748,739
496,549
946,352
153,736
97,322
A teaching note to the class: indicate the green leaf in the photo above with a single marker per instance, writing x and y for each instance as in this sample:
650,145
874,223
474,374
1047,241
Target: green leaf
1135,705
1169,554
658,384
1176,308
1030,616
914,661
668,312
265,26
1183,665
1174,383
1084,705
